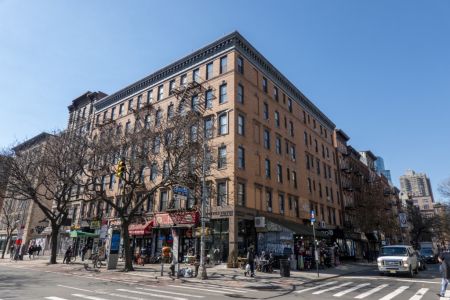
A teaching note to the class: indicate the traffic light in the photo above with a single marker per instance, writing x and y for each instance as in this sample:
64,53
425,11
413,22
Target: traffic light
120,168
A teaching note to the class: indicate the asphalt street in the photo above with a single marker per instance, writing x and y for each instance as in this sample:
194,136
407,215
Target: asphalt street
28,283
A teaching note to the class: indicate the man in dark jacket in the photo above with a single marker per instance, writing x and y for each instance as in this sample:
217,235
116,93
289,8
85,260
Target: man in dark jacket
445,273
251,260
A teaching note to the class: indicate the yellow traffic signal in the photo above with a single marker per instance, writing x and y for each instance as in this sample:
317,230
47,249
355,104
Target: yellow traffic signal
120,168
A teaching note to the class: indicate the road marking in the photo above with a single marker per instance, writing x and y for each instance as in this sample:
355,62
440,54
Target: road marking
236,290
395,293
88,297
53,298
315,287
198,288
151,294
392,279
166,292
419,294
340,294
75,288
372,291
332,288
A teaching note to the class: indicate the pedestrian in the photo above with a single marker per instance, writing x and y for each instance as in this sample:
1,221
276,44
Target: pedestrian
30,251
39,249
251,260
67,255
12,252
83,251
444,270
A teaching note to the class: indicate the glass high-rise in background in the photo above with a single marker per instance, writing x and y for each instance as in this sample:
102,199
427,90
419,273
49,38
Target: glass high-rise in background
379,167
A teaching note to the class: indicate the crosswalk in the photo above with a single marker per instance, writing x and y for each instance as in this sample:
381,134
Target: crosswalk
366,290
167,292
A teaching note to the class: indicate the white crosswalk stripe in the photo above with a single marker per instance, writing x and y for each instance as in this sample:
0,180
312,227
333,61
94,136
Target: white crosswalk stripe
340,294
419,294
88,297
55,298
372,291
151,294
395,293
315,287
172,293
332,288
216,290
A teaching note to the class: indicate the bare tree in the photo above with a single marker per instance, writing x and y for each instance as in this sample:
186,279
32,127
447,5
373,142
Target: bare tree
46,173
154,152
444,188
9,220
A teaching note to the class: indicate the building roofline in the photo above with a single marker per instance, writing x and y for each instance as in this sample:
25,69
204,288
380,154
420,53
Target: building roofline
30,142
343,134
231,41
370,154
92,96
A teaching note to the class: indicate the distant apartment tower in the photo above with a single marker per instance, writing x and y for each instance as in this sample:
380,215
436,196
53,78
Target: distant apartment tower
417,187
379,167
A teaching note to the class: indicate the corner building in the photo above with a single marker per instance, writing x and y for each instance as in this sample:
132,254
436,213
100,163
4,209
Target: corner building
274,148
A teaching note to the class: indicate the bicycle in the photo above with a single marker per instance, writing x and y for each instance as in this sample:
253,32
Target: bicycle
96,261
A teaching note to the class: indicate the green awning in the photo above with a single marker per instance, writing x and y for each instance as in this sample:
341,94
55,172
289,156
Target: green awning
78,233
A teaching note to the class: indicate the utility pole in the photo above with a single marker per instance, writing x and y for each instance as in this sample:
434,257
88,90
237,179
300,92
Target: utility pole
203,216
316,254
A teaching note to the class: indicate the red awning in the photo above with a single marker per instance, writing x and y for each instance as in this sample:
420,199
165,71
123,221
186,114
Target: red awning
141,229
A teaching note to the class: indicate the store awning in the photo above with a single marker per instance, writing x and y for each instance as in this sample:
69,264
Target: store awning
78,233
297,228
141,229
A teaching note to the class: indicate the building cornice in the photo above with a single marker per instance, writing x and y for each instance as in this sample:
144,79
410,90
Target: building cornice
232,41
31,142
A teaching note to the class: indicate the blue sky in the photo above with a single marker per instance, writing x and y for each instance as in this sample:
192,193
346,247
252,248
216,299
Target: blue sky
379,69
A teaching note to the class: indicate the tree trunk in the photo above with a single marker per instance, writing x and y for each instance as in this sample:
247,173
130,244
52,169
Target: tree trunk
54,242
126,245
8,237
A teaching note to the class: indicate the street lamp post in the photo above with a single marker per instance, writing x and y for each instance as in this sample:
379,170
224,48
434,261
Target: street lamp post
202,237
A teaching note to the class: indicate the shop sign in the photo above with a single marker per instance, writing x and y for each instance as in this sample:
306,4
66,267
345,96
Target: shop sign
94,224
285,235
115,222
177,218
221,213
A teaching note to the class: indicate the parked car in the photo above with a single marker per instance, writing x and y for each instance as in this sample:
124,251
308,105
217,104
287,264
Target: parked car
429,255
421,261
398,259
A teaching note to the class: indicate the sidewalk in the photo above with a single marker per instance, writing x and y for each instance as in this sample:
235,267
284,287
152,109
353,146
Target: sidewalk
218,275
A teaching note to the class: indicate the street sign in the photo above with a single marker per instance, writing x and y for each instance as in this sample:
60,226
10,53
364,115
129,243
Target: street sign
313,218
403,220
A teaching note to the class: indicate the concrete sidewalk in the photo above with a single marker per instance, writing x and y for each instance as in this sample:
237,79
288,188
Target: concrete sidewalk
218,274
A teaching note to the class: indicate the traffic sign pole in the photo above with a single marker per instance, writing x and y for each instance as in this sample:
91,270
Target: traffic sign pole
316,254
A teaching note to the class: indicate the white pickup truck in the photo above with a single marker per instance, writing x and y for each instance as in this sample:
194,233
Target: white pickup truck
398,259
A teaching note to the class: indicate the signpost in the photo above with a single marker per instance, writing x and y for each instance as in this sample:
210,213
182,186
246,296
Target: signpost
316,254
403,223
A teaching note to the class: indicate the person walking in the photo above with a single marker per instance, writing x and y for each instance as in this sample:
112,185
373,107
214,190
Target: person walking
30,251
444,270
39,249
251,261
67,255
83,251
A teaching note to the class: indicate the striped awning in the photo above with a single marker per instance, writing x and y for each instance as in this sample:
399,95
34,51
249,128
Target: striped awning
140,229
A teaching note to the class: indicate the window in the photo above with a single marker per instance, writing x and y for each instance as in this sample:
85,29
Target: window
163,199
130,105
240,65
324,170
279,173
149,96
113,110
195,103
150,203
281,201
171,86
223,93
241,125
170,111
305,138
269,200
156,144
222,160
278,145
222,193
290,104
241,157
160,92
241,194
158,117
309,185
264,84
294,178
277,119
240,93
318,166
266,139
267,168
193,133
208,99
165,171
97,119
112,180
139,102
153,171
328,153
208,127
147,121
316,146
121,109
127,127
275,93
223,64
183,80
196,75
320,190
291,128
266,111
323,151
223,124
292,152
209,71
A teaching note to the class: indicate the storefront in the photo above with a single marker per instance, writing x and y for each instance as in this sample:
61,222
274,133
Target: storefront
81,239
217,242
141,237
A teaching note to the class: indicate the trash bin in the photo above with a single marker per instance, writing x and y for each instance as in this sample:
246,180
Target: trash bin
285,268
